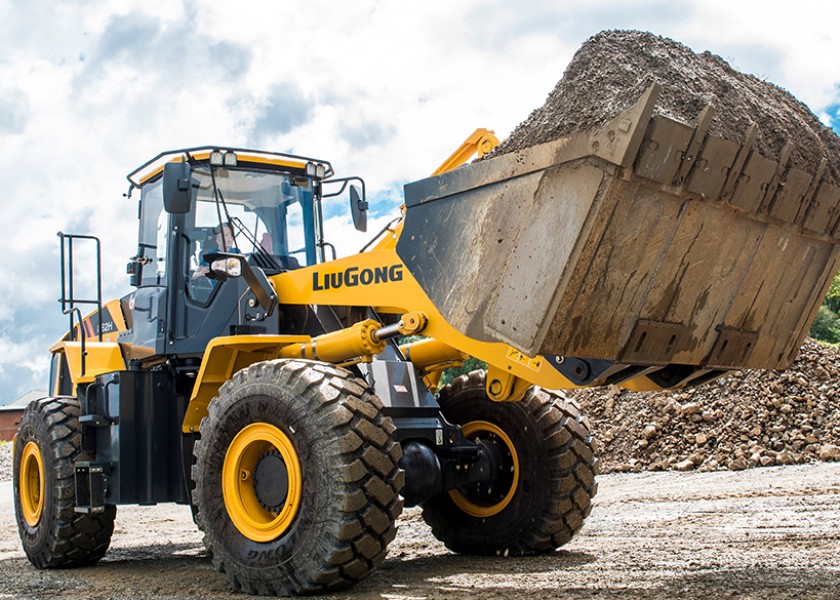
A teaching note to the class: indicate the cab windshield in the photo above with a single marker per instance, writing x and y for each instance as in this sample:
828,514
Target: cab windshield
271,216
269,213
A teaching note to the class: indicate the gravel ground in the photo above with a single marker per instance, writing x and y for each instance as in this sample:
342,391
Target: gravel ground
755,533
761,533
5,461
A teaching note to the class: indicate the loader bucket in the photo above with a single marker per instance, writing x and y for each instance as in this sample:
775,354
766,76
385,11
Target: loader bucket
646,241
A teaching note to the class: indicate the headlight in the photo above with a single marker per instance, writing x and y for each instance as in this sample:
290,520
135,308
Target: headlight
316,170
226,267
230,159
217,158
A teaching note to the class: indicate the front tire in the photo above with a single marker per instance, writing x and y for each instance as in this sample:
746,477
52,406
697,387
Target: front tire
297,479
545,478
47,447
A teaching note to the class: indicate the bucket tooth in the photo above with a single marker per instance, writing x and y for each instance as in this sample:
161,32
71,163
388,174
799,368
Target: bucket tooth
740,160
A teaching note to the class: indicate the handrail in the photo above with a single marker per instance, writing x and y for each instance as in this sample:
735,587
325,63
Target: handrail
68,300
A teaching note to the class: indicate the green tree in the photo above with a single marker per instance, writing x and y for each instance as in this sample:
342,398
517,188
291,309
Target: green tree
471,364
832,298
826,326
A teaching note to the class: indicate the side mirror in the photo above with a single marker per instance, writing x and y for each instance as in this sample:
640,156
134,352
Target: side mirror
358,208
132,269
177,187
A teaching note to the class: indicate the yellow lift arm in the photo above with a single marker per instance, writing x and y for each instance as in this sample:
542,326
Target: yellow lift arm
480,142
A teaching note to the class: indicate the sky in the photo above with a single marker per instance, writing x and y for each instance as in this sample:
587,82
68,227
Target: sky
91,89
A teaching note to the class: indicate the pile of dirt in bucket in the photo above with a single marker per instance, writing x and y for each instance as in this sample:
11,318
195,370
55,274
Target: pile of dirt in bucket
612,69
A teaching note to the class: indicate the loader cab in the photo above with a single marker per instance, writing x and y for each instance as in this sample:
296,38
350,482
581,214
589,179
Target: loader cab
270,203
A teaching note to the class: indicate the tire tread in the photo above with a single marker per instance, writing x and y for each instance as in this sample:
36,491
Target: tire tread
72,539
364,457
571,468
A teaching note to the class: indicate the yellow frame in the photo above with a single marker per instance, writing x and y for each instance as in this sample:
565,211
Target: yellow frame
403,296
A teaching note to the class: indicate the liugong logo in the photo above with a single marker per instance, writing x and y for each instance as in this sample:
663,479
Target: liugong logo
353,276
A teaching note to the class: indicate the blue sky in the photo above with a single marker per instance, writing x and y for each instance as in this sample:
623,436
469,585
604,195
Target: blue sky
385,90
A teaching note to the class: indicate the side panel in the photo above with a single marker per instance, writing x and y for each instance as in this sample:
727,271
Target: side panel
147,307
141,444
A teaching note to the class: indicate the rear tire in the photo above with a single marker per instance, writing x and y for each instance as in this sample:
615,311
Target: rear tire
321,434
47,447
546,476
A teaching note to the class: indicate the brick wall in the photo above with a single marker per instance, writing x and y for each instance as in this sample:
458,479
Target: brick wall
9,420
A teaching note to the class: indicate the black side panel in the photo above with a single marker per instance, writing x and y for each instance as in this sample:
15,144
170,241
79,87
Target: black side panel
60,382
137,418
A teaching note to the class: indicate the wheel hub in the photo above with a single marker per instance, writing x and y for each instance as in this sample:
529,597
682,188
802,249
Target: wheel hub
262,482
271,481
32,483
491,496
499,475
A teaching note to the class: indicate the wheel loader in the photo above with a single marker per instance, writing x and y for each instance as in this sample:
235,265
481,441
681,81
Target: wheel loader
269,384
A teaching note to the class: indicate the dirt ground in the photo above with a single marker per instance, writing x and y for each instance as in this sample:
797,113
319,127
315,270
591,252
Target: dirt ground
759,533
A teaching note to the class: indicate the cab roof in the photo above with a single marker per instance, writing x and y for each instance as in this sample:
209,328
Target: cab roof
152,169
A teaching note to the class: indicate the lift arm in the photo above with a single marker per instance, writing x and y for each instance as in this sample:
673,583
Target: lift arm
480,142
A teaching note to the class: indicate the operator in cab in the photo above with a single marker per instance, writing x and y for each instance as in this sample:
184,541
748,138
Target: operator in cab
225,242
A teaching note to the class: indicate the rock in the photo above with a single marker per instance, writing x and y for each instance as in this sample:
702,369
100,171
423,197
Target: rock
684,465
649,431
692,408
785,458
829,452
739,464
700,439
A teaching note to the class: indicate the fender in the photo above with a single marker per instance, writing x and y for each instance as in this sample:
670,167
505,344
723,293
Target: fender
101,357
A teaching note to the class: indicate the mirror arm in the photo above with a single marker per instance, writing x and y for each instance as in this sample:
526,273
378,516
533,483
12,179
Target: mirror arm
345,181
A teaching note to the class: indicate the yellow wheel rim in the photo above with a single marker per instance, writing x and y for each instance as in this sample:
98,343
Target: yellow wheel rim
485,430
243,506
31,483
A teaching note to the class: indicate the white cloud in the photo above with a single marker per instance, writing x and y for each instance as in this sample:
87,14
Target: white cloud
383,90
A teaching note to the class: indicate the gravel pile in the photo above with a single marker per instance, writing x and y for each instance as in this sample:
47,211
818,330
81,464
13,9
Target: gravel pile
746,419
6,462
612,69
